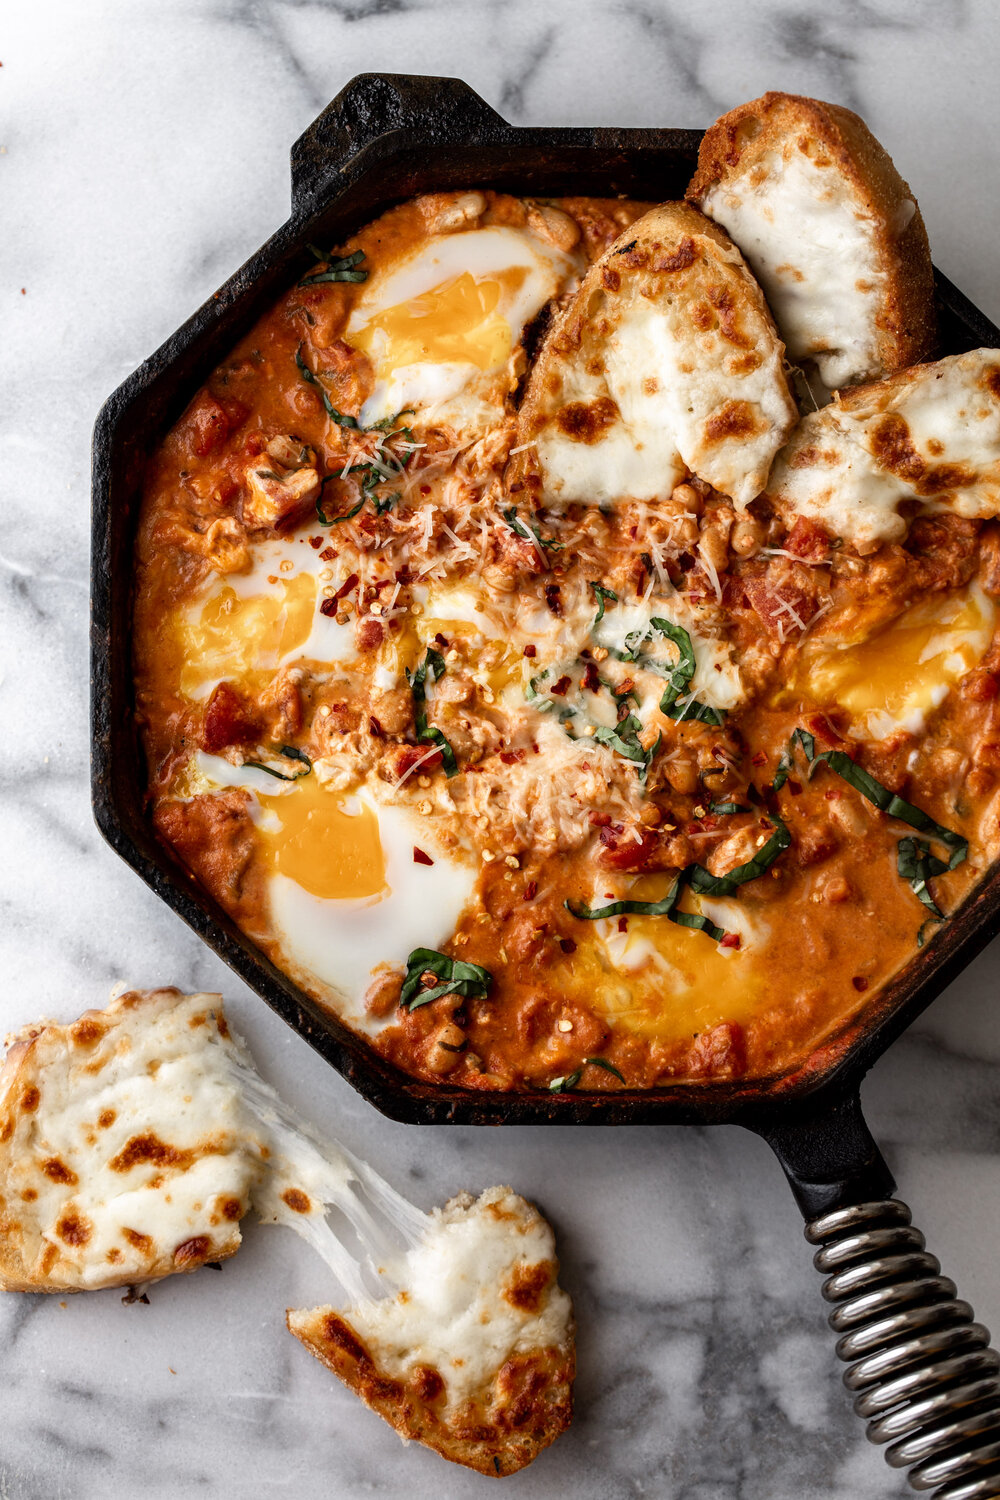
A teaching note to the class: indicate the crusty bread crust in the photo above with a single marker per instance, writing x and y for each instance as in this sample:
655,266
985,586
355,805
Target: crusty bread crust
529,1404
22,1088
739,141
677,254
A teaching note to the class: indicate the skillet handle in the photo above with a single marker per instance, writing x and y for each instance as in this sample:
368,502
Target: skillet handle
434,111
920,1367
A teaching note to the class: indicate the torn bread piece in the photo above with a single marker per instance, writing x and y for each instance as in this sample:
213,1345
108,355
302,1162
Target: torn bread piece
133,1140
927,439
124,1147
475,1355
829,228
665,363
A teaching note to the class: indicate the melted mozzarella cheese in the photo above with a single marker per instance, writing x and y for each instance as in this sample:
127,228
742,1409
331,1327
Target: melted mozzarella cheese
453,1312
246,626
147,1135
930,435
440,323
814,251
894,679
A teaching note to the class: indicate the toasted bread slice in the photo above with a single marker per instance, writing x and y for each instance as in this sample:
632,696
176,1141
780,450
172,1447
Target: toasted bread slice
929,436
475,1357
123,1154
665,363
829,228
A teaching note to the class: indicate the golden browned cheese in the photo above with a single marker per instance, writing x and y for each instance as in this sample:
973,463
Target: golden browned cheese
548,761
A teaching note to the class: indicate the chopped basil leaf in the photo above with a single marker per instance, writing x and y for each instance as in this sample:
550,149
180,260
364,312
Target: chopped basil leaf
624,739
341,418
386,502
721,808
292,752
346,515
338,267
529,532
457,978
545,701
427,733
570,1080
916,863
702,882
676,703
603,597
914,860
259,765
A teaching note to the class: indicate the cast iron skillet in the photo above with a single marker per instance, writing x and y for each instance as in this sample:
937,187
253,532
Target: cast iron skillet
925,1376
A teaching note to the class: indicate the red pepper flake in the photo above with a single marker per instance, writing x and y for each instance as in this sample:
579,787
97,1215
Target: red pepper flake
328,554
859,983
420,858
425,489
623,924
560,688
598,819
511,757
329,606
375,728
759,759
316,542
531,890
553,599
834,795
608,838
729,940
567,945
591,680
795,787
530,650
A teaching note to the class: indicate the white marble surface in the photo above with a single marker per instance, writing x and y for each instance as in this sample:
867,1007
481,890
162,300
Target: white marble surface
144,157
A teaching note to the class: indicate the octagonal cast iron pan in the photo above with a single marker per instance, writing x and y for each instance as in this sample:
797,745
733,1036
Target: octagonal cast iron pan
924,1375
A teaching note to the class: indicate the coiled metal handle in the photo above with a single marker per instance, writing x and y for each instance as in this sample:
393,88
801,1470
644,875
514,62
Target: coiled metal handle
925,1378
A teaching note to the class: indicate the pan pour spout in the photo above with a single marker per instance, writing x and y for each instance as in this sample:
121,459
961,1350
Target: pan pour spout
920,1367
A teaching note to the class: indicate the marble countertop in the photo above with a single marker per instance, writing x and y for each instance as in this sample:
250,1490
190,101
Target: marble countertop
143,156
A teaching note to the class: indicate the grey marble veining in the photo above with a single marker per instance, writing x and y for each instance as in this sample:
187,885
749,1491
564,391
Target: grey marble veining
144,157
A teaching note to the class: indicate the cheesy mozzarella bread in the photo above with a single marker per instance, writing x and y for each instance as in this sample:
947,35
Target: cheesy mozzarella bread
124,1146
829,228
664,364
475,1355
927,439
132,1142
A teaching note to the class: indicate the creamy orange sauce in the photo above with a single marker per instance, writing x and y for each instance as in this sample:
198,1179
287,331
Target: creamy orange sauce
304,631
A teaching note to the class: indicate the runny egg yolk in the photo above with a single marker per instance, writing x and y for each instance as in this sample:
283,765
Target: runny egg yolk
243,639
907,669
661,980
308,835
458,322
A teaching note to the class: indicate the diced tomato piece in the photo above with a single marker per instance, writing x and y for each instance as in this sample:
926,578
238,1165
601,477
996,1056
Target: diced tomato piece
808,540
212,421
229,720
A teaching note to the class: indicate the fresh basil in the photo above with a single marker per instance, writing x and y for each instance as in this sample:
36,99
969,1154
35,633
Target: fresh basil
341,418
702,882
570,1080
457,978
678,675
346,515
604,596
721,809
429,734
917,864
292,752
624,740
338,267
529,532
